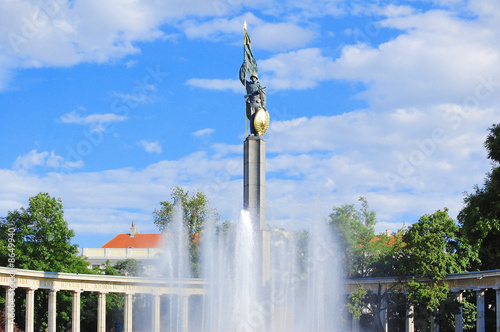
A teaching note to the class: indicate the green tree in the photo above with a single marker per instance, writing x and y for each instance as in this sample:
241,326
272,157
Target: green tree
196,211
386,251
42,242
366,255
370,305
480,218
129,267
355,231
431,252
420,258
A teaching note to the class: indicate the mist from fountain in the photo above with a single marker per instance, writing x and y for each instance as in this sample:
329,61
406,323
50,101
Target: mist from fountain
304,292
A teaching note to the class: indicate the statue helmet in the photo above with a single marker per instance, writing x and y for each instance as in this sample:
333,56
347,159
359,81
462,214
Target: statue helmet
254,75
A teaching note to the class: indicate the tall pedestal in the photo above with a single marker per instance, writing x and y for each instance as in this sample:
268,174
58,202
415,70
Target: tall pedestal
254,197
254,180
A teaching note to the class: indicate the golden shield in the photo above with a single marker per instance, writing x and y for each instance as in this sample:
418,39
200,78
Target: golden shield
261,121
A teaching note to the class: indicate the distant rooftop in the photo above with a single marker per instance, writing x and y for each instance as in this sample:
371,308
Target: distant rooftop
135,240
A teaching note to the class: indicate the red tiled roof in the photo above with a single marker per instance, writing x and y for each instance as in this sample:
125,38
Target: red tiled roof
137,241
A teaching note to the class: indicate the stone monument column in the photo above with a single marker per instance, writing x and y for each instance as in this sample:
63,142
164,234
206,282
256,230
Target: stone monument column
497,304
254,177
480,323
254,180
30,310
8,313
52,311
254,197
156,312
101,312
459,316
127,312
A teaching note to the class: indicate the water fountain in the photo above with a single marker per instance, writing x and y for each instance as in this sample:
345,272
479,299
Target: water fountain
257,279
303,292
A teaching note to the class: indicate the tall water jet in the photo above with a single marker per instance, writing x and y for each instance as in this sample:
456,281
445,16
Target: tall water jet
324,280
303,292
176,267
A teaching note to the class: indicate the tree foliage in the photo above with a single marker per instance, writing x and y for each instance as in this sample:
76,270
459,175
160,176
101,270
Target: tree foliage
420,257
431,248
355,231
129,267
431,252
42,237
480,217
42,242
196,211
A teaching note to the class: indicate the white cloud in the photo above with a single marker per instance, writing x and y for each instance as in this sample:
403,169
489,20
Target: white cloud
141,94
84,31
97,121
216,84
49,160
439,58
203,132
386,10
58,162
131,63
265,35
93,31
296,70
150,146
310,8
30,160
433,154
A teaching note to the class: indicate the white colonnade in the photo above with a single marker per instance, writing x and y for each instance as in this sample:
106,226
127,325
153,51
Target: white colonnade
32,281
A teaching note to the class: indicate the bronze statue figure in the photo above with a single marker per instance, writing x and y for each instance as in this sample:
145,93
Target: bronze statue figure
255,96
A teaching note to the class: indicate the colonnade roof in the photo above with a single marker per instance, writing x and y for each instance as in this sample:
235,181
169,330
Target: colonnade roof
121,284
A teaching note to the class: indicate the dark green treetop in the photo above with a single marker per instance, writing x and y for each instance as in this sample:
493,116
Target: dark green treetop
480,217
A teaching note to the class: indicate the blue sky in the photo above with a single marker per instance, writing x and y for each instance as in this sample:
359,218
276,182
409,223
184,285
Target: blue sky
110,105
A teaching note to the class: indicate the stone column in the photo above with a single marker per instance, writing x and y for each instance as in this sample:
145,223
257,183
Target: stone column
101,312
254,198
410,323
156,313
75,313
434,324
497,306
459,327
355,325
9,311
52,311
30,310
383,315
480,324
254,180
127,313
185,313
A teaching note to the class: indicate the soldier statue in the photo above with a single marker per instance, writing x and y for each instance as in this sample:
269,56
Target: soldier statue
255,96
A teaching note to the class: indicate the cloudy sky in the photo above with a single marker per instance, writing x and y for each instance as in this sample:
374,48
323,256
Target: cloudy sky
108,105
